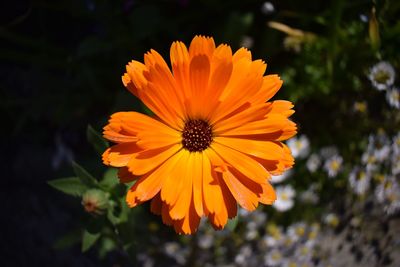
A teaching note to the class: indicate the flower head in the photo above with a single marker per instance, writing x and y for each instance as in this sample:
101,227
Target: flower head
213,142
333,165
382,75
359,180
300,146
95,201
393,97
285,195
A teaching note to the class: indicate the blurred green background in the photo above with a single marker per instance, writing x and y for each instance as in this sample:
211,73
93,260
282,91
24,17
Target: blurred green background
60,69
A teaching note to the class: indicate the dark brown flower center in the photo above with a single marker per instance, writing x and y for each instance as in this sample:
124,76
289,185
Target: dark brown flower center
196,135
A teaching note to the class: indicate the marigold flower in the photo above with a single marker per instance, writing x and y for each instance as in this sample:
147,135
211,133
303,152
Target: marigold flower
214,140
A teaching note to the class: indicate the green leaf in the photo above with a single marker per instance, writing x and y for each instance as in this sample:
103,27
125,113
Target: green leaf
71,186
68,240
110,178
96,140
88,240
84,176
106,246
232,223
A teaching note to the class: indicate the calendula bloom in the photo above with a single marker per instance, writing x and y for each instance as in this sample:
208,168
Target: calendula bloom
213,141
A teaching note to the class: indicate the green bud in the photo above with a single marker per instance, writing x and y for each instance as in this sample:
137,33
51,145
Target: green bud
95,201
374,30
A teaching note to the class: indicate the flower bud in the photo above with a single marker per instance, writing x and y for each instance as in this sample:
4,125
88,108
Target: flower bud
95,201
374,30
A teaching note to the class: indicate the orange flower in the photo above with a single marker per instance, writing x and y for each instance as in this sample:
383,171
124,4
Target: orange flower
214,140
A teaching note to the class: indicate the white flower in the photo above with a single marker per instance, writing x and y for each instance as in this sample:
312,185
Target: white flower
274,238
369,160
303,253
333,165
395,164
310,195
297,231
388,193
267,8
280,178
359,180
300,146
273,258
245,252
396,144
313,162
284,195
331,219
206,240
382,75
379,145
247,42
393,97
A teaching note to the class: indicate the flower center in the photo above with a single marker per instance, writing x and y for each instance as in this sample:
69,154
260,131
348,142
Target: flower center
197,135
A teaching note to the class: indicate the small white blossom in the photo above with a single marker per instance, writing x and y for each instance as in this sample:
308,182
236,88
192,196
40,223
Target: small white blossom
393,97
303,253
382,75
267,8
310,195
369,160
396,144
331,219
395,164
273,258
313,163
359,180
333,165
300,146
388,193
280,178
297,231
284,195
379,145
206,240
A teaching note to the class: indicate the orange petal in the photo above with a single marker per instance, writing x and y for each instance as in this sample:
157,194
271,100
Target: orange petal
173,184
241,162
270,86
201,45
212,193
262,149
156,205
145,161
268,195
245,197
242,53
180,66
150,184
199,70
119,155
197,172
189,224
181,206
125,176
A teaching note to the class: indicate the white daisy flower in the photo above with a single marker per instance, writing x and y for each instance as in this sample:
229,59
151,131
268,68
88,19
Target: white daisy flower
274,238
396,144
267,8
379,145
359,180
313,163
395,164
393,97
300,146
333,165
297,231
303,253
382,75
280,178
388,193
284,195
310,196
331,219
328,152
369,160
273,258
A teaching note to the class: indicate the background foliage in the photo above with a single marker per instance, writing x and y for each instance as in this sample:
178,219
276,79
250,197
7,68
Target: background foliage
61,65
